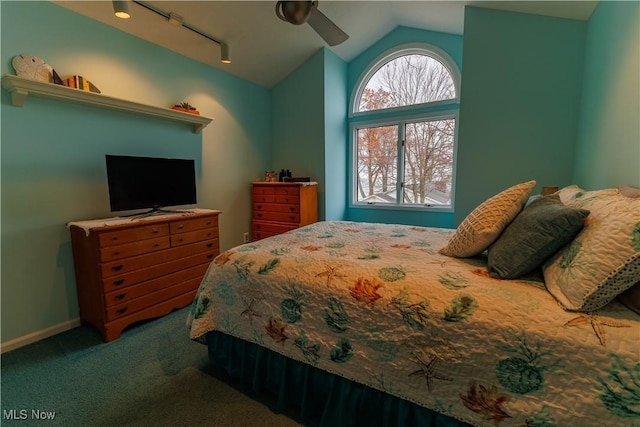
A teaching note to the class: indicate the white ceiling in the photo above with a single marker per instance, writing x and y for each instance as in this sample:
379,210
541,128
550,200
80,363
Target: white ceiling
265,49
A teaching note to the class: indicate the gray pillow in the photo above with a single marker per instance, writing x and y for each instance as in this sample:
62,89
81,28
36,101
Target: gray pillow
535,234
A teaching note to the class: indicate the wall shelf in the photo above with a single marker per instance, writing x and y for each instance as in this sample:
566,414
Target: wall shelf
20,88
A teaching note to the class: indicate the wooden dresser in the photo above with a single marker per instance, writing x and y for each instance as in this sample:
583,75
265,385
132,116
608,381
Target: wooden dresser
282,206
129,270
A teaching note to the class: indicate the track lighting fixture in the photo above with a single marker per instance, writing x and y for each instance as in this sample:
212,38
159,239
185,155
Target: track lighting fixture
224,54
121,8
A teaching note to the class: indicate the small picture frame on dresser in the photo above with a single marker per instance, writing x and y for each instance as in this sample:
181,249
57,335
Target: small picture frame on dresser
270,176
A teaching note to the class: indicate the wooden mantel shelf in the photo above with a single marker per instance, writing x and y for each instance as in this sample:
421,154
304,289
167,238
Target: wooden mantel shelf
20,88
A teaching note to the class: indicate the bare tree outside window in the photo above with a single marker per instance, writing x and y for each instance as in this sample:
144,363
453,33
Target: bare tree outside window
426,171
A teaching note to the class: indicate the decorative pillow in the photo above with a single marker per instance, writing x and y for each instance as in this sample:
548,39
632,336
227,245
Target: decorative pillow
485,223
604,258
631,298
535,234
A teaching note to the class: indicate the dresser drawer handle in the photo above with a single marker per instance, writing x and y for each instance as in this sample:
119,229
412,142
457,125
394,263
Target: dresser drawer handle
117,267
114,238
209,256
155,231
259,206
258,226
181,239
121,310
156,245
292,218
116,253
286,200
292,208
209,245
259,215
209,223
180,227
120,296
118,282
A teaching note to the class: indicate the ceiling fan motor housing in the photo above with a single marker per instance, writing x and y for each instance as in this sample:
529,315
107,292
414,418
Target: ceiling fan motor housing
296,12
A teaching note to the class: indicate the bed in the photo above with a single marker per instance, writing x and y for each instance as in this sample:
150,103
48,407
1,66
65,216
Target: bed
371,324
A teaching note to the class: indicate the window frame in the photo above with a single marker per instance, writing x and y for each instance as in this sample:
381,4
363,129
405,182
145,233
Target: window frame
401,124
391,54
400,117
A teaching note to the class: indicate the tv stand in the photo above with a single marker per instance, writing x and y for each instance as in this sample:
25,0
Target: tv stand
157,211
131,271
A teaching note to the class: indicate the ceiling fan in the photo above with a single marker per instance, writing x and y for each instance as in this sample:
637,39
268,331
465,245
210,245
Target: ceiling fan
299,12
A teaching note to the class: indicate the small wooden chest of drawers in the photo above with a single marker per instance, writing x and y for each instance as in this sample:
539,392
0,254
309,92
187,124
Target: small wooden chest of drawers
282,206
139,269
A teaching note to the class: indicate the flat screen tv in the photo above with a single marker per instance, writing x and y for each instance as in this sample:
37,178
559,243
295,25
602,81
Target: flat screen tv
150,182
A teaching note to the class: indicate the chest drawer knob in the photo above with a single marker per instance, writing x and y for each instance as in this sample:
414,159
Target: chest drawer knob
259,206
121,310
117,267
120,296
114,238
118,282
180,227
116,253
209,245
209,256
292,218
156,245
292,209
155,231
259,215
208,222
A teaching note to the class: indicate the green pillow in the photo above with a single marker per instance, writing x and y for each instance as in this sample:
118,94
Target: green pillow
535,234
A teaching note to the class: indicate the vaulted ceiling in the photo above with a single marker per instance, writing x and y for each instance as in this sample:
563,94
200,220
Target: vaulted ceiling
265,49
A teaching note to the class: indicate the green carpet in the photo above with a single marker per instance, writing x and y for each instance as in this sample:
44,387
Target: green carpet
152,376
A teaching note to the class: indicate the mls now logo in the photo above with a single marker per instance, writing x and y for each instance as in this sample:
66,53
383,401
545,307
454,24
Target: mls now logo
23,414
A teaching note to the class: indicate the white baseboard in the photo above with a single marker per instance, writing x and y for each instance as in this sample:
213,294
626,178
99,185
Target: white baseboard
38,335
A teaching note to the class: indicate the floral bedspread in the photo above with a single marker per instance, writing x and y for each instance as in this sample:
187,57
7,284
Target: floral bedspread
377,304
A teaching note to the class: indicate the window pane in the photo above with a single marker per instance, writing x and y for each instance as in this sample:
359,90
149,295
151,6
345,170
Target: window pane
428,162
407,80
377,161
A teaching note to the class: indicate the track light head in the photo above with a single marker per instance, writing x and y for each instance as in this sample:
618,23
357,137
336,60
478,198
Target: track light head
224,53
121,8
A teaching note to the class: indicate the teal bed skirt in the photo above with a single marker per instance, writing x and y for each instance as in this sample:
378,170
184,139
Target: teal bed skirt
319,395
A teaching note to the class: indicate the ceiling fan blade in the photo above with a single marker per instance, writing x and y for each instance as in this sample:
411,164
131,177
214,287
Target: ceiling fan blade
329,31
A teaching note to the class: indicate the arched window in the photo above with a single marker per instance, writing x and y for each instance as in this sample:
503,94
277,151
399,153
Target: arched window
404,129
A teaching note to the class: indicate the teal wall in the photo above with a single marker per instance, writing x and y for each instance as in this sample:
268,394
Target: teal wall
520,103
608,151
298,124
52,153
309,122
452,45
335,128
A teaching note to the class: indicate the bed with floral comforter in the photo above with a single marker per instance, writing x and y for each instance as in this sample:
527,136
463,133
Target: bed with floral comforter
377,304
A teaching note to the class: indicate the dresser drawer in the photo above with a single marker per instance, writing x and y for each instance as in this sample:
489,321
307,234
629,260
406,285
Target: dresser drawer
129,265
271,227
269,198
125,280
110,253
277,216
111,238
192,237
276,207
193,224
260,190
151,299
125,295
285,198
287,191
